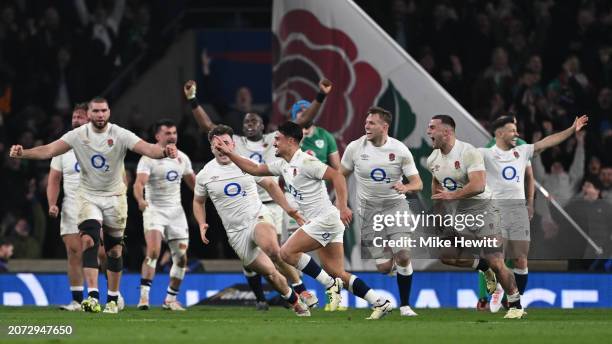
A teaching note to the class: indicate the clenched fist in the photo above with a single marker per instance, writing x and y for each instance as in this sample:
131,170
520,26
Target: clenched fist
53,211
171,151
325,86
16,151
190,89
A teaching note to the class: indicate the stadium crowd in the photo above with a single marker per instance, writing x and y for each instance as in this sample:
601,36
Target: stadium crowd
543,62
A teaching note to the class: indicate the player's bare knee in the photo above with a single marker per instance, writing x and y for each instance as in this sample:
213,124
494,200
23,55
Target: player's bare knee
288,256
402,258
520,263
153,254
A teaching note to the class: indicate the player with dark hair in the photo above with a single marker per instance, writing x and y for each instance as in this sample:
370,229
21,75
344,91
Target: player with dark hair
458,172
505,164
250,229
304,176
257,146
157,190
100,149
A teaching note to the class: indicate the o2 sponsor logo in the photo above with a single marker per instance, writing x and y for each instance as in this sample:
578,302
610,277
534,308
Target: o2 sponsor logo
77,167
509,173
379,175
172,175
233,190
295,192
257,157
98,162
450,184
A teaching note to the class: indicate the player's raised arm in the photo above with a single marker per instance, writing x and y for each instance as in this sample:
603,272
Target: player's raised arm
339,184
154,151
279,198
199,212
44,152
199,114
244,164
557,138
325,86
53,189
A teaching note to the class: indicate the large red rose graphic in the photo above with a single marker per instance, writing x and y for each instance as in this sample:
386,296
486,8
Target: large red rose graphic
304,52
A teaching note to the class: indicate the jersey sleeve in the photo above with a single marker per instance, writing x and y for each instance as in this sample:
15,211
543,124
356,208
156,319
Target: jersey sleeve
276,167
128,138
314,168
473,160
144,165
200,185
332,147
527,150
348,158
188,167
408,165
70,137
56,163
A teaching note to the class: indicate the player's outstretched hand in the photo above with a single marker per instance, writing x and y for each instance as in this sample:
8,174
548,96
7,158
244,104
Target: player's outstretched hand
171,151
53,211
203,229
325,86
295,214
346,215
580,122
16,151
221,146
190,89
142,205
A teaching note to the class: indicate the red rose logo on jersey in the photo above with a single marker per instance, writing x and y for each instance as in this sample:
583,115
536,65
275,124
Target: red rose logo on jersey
457,165
305,51
391,157
516,154
110,142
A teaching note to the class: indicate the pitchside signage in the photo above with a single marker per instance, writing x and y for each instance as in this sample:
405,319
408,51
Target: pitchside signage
430,289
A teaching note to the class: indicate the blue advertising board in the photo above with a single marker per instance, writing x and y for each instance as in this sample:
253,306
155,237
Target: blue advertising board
430,289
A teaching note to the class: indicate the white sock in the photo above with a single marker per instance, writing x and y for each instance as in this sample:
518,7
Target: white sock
76,288
373,298
475,263
113,293
404,270
517,271
144,290
514,297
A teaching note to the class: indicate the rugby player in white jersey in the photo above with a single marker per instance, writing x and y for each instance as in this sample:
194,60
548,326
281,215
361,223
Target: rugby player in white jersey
157,190
304,176
100,149
247,221
505,164
66,168
379,162
258,147
458,173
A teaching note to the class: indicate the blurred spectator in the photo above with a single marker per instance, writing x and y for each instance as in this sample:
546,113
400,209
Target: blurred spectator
6,252
605,177
560,184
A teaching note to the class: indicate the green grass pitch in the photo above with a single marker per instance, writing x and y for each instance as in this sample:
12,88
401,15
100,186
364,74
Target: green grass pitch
245,325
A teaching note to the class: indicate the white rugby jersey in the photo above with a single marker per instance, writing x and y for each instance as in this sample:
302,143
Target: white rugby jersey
163,189
451,170
100,157
69,166
506,170
233,192
377,169
304,179
261,152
